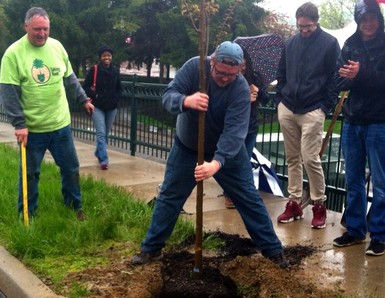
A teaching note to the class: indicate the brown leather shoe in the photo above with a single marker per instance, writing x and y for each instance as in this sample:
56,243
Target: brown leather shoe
229,203
80,215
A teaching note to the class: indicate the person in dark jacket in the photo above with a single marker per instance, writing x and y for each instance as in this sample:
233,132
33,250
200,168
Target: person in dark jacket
306,92
105,93
258,94
227,109
361,69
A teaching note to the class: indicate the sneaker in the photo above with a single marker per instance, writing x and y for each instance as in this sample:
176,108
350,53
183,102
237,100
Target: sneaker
280,260
146,257
103,166
80,215
319,217
346,240
229,203
293,211
375,248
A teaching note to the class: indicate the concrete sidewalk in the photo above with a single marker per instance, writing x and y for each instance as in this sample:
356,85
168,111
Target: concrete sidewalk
348,268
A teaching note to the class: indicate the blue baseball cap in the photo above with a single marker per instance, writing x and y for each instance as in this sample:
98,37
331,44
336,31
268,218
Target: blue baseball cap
230,53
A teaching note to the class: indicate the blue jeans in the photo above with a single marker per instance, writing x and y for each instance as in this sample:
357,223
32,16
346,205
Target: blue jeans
249,144
235,178
362,144
62,148
103,121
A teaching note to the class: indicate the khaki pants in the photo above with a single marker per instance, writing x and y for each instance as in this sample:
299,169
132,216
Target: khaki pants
303,140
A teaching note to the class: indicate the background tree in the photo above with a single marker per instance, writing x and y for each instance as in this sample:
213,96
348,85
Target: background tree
140,31
177,40
4,33
276,22
84,32
228,19
81,27
148,41
336,14
235,18
166,34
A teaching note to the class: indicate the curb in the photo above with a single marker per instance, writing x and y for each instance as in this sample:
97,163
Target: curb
17,281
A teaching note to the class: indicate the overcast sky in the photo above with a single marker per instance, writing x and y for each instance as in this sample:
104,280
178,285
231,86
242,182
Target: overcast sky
287,7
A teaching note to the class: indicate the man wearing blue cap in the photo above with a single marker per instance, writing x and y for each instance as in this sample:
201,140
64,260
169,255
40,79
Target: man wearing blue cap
227,107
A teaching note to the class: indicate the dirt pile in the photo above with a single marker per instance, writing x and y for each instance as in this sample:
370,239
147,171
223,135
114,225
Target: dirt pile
237,271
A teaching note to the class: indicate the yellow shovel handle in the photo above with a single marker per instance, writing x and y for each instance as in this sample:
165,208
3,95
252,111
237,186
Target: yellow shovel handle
24,181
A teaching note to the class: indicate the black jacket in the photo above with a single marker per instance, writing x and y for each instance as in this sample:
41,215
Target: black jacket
108,87
263,98
366,101
306,73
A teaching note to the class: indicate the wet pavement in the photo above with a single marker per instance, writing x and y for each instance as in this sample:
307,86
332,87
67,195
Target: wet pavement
349,269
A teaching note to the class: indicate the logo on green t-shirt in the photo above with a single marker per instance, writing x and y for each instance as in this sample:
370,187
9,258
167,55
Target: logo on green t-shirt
40,72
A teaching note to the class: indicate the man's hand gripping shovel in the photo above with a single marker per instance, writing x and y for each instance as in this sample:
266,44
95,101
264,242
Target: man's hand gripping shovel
306,191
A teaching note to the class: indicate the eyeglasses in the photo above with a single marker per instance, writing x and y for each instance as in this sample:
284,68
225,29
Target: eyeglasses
305,27
221,74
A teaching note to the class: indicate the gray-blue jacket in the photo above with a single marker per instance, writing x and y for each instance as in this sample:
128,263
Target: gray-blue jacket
228,114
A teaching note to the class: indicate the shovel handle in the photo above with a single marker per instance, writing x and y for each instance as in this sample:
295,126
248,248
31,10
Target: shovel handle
24,182
334,119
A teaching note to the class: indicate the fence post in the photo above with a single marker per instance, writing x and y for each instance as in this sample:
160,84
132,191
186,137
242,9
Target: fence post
134,117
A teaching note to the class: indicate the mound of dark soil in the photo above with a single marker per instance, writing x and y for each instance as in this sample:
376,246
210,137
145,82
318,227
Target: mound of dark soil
237,271
216,279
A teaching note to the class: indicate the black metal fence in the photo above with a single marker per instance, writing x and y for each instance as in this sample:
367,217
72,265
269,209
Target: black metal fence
143,128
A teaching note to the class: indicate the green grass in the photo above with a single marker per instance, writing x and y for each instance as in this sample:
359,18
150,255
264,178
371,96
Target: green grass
55,242
336,127
268,128
153,122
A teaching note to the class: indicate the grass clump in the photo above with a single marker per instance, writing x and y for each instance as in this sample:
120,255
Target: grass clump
55,242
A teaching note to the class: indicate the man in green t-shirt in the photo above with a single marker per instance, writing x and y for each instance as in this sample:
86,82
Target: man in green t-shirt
35,77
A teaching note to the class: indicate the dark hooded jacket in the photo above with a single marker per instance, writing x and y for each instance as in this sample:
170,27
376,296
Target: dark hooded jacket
306,73
366,100
263,98
108,87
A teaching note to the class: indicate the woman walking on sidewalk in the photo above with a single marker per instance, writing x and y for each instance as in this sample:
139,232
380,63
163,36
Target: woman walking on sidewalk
103,86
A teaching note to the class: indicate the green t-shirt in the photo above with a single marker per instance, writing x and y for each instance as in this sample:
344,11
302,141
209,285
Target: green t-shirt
39,71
